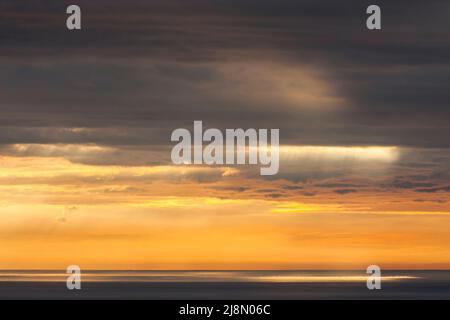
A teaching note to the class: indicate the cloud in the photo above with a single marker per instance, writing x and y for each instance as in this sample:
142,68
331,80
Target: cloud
254,64
411,185
292,187
345,191
434,190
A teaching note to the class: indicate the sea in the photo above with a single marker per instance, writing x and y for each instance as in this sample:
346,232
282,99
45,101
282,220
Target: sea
225,285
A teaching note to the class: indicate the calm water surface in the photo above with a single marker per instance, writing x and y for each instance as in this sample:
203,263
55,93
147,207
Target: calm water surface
101,284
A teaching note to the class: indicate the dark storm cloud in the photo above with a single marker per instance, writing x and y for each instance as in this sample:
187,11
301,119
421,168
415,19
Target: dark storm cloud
312,30
143,137
158,65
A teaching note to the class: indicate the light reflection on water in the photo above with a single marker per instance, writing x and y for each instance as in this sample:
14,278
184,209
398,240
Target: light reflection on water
206,276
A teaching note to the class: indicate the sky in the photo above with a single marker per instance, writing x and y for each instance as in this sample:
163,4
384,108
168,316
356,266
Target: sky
86,116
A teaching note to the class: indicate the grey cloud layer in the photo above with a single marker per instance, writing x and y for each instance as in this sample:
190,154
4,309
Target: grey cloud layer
140,69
